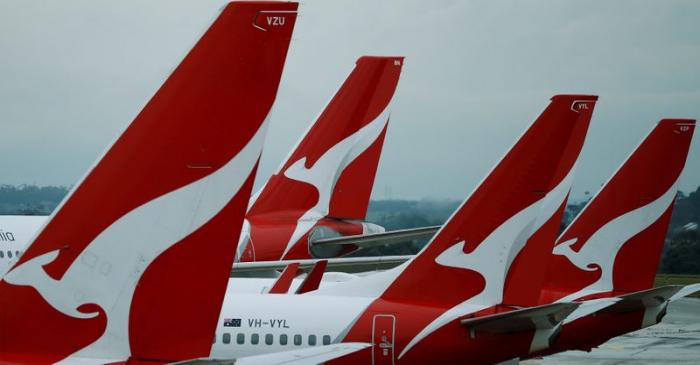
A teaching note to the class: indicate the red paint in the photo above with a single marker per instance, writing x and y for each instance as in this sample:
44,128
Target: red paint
202,116
364,95
425,290
647,174
313,279
284,281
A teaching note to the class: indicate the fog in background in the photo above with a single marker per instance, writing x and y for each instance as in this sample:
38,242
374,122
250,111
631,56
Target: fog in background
73,74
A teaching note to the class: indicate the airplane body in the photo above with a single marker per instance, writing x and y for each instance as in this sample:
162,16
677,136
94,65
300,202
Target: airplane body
16,231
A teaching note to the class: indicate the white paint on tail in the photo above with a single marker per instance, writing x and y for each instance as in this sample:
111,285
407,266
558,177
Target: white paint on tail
601,249
494,255
326,171
107,271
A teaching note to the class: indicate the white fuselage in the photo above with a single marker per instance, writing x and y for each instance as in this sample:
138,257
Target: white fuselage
254,324
260,314
16,231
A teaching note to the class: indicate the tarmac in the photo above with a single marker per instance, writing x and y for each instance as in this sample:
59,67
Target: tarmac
676,340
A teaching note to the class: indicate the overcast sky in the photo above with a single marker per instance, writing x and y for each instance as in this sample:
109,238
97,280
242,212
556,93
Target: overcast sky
73,74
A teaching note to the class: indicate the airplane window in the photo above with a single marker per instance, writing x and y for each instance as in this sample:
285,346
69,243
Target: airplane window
283,340
240,339
9,254
227,338
268,339
2,254
17,253
326,340
312,340
297,340
254,339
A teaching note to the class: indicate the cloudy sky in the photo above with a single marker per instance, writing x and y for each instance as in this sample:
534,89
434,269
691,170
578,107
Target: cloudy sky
73,74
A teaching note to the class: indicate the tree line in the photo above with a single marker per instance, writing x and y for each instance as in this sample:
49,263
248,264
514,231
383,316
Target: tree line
681,251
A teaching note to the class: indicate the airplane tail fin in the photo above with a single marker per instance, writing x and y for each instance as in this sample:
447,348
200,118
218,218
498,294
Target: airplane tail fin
526,274
466,262
332,168
122,266
470,255
615,242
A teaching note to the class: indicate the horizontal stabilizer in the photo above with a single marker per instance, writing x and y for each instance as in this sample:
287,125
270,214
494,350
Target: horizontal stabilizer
306,356
534,318
652,301
645,298
589,307
349,265
685,291
379,239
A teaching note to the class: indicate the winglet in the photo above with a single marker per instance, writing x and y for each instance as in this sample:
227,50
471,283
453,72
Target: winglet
283,283
313,279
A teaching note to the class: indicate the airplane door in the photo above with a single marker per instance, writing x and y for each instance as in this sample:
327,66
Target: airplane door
383,327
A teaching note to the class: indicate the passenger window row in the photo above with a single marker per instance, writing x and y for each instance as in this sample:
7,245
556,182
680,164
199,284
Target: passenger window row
270,339
9,254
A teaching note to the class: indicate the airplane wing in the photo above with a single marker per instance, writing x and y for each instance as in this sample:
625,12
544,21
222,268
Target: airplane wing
348,264
306,356
378,239
533,318
344,264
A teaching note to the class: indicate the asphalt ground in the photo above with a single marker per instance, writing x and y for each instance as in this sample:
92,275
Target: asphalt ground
676,340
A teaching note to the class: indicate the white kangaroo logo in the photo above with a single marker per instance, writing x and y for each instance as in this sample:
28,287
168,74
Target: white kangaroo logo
600,251
326,171
107,271
493,257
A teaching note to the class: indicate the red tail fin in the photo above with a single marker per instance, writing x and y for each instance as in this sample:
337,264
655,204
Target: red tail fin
614,244
152,228
467,260
527,272
502,209
331,171
332,168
